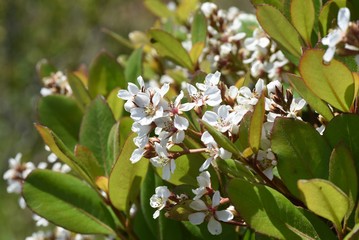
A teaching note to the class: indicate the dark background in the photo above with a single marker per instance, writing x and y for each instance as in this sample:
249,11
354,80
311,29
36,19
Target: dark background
67,33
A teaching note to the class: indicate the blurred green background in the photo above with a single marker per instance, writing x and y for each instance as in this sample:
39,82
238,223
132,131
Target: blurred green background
68,34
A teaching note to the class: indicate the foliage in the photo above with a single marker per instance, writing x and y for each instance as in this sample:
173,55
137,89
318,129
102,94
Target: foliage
219,136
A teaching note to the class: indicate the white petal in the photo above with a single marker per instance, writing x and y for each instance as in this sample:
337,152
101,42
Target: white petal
224,215
140,81
166,172
214,227
178,99
132,89
186,107
204,179
178,137
224,154
196,218
216,199
210,117
329,54
343,18
137,155
156,214
259,86
223,111
180,123
206,164
125,95
207,138
198,205
172,165
164,89
142,99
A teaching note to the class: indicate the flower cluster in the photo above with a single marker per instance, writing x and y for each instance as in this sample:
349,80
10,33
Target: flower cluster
56,83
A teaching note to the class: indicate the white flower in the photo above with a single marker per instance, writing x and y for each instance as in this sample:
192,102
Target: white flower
337,35
211,96
148,108
211,212
177,109
56,83
163,160
130,93
208,8
247,99
159,199
213,150
223,120
40,221
17,173
204,182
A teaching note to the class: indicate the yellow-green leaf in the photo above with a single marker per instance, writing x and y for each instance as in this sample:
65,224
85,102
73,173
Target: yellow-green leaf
303,17
324,199
168,46
313,100
279,28
255,128
331,82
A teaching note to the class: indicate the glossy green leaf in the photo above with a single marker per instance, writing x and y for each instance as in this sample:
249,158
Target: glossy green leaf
54,113
199,28
313,100
125,129
269,212
328,13
301,151
344,128
116,104
331,82
62,151
321,227
324,199
243,132
105,75
140,226
79,90
343,174
86,159
134,66
113,143
353,234
126,178
281,5
303,17
168,46
235,169
255,128
67,202
95,129
279,28
196,51
158,8
222,140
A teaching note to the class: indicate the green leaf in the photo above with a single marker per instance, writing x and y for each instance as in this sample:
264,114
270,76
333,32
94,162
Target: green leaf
243,132
281,5
126,178
67,202
79,90
125,129
344,128
196,51
324,199
115,103
280,29
113,143
268,211
54,113
168,46
235,169
313,100
88,162
95,129
105,75
301,151
255,128
342,173
199,28
133,67
303,17
331,82
222,140
158,8
321,227
62,152
353,234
